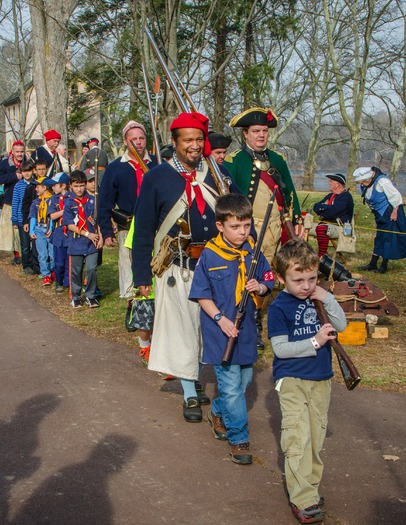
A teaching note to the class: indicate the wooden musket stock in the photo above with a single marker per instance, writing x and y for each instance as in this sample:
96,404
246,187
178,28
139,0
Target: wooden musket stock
348,369
228,352
133,150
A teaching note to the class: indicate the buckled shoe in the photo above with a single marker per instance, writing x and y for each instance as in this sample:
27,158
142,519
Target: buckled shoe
191,410
201,394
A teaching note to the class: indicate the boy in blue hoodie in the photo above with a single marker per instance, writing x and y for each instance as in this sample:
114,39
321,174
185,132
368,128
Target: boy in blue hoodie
41,228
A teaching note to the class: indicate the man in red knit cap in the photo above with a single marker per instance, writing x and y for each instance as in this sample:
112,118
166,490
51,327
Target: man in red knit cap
9,176
55,162
177,198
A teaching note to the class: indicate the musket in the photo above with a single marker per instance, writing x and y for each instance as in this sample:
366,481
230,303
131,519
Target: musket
137,156
96,184
173,79
228,352
151,116
348,369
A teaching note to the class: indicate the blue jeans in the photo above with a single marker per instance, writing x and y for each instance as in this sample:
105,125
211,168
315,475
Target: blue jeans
232,381
26,251
45,251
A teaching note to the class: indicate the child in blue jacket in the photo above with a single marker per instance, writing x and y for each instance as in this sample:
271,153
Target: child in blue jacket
218,283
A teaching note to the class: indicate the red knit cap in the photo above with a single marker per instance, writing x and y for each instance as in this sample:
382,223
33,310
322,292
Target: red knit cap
18,143
52,134
197,121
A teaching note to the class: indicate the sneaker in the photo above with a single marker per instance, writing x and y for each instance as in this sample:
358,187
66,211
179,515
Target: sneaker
47,281
59,288
239,454
311,514
144,354
28,271
217,426
16,261
92,303
76,303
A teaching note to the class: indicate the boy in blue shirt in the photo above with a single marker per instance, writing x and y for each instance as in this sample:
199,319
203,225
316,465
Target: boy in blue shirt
41,228
59,237
302,371
27,173
84,240
218,283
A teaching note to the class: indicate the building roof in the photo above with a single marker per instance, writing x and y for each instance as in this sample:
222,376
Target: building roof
15,97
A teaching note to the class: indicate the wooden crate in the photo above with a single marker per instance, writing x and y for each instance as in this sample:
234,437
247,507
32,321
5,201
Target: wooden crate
356,331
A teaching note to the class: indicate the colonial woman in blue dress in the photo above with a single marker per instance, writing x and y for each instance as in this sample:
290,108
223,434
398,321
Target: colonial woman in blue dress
386,203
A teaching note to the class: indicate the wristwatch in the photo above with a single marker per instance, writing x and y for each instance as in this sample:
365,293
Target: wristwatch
217,317
87,234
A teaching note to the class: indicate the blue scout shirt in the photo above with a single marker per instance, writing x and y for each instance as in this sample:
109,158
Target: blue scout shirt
215,278
59,237
79,244
297,318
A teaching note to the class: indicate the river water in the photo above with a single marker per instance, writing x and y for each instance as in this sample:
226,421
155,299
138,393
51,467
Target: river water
321,181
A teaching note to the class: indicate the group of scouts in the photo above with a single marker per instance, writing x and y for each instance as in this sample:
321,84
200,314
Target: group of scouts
184,265
48,220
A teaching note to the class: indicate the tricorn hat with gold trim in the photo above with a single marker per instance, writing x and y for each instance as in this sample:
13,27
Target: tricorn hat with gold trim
255,117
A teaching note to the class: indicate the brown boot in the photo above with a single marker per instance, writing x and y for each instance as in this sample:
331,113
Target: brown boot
239,454
217,426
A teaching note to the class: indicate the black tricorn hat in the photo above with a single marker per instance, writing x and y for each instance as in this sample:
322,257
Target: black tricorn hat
338,177
255,117
218,140
167,151
85,144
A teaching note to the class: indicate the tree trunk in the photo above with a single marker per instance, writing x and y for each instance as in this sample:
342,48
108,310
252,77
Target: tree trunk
399,152
220,82
49,21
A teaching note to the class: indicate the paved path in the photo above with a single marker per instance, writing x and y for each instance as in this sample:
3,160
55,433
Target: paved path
88,436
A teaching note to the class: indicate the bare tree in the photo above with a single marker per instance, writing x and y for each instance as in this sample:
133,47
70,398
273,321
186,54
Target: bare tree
49,20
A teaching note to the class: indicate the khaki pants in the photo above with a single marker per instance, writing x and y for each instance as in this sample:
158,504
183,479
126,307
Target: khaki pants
125,275
304,406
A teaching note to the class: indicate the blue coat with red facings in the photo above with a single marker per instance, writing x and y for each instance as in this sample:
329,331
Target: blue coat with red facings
216,278
161,188
79,244
118,187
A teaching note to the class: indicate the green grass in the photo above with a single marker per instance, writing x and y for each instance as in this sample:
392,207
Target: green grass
382,363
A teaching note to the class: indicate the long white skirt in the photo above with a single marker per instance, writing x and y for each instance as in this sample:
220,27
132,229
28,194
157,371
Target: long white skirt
176,340
9,237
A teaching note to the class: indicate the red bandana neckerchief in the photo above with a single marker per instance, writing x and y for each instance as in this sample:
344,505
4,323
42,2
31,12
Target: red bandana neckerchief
331,199
61,202
81,213
190,179
138,173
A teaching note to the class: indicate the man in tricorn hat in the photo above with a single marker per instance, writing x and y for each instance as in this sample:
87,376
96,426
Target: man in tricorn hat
337,205
89,159
256,170
182,188
219,144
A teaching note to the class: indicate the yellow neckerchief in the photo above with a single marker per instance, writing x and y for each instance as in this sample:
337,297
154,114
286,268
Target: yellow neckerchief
229,253
43,207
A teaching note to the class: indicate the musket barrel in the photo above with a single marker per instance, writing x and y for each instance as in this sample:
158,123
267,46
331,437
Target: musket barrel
151,116
173,80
